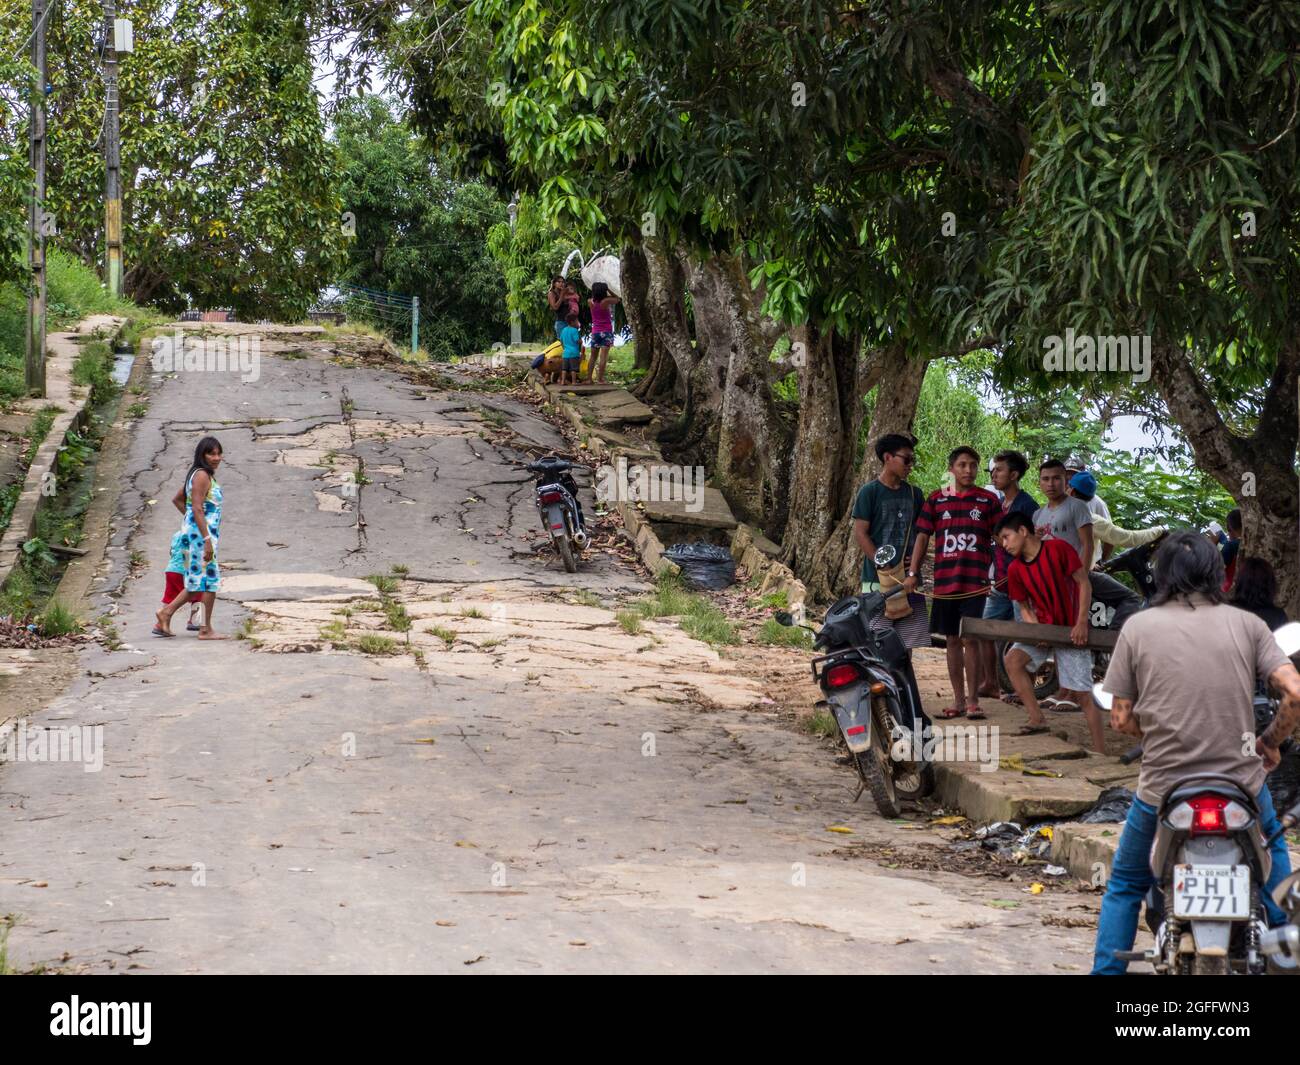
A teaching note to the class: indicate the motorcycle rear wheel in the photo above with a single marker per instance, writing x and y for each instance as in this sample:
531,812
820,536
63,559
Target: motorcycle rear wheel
876,772
565,546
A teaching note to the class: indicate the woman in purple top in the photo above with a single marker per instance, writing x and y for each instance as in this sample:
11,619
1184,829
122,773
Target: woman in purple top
601,304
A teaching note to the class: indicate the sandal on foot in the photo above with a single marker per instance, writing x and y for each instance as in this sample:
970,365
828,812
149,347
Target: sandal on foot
974,713
1061,706
161,632
949,712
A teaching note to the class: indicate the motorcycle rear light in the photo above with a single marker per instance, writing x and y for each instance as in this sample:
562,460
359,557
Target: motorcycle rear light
1208,815
1237,815
856,730
878,688
841,676
552,497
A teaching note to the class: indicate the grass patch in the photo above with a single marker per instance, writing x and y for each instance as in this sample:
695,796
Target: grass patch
487,645
398,619
58,620
373,644
472,612
699,617
93,369
334,632
583,597
821,723
776,600
137,410
774,634
383,583
400,570
445,635
492,417
629,621
246,628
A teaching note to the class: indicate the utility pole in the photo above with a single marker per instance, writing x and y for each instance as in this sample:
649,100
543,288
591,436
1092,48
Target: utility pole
112,157
415,324
516,332
34,354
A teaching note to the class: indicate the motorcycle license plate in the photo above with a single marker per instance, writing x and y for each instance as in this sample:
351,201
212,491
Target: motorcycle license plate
1212,892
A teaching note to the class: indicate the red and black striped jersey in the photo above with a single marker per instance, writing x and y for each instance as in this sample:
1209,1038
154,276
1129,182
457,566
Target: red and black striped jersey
961,526
1047,583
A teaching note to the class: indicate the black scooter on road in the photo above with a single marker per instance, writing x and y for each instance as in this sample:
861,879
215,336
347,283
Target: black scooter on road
557,504
866,676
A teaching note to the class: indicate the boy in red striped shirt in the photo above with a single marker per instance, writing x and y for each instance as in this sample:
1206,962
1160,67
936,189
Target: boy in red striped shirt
1051,585
960,517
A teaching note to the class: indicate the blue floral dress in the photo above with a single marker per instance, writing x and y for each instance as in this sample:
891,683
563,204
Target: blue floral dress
200,576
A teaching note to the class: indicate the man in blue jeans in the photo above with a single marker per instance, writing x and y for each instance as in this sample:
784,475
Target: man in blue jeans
1183,680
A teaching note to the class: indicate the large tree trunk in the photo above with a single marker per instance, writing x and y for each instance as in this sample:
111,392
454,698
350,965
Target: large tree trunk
664,308
829,416
703,367
753,445
898,381
634,276
1258,471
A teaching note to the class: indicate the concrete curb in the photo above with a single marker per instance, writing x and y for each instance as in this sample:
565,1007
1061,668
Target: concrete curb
751,549
72,402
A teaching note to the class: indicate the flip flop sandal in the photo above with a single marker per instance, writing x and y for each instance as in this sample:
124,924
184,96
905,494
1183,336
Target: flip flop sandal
1061,706
949,712
159,632
975,714
191,627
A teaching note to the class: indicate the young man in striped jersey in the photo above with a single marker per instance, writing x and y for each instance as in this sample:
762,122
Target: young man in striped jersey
1050,583
960,517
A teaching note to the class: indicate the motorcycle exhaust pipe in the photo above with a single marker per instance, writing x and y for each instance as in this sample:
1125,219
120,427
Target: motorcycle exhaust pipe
580,538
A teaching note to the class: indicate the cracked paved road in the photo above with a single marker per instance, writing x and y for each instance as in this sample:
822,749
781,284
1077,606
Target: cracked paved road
547,794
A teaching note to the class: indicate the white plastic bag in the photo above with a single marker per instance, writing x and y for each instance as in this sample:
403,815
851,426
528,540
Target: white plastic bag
603,268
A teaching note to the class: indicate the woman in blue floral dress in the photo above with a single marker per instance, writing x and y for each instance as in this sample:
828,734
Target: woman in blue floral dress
199,501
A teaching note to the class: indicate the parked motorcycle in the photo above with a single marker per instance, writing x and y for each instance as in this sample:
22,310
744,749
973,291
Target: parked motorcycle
557,503
864,675
1210,860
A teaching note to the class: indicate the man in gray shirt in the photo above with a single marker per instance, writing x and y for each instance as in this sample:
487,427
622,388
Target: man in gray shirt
1063,517
1183,679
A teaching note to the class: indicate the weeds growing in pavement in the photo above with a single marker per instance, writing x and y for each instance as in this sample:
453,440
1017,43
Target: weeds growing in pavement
699,617
384,584
774,634
398,619
445,635
58,620
821,723
372,644
629,620
584,597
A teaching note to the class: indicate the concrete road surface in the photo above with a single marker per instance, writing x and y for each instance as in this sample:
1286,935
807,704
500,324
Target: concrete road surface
514,783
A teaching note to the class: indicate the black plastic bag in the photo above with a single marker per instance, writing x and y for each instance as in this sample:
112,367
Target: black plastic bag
705,566
1111,806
